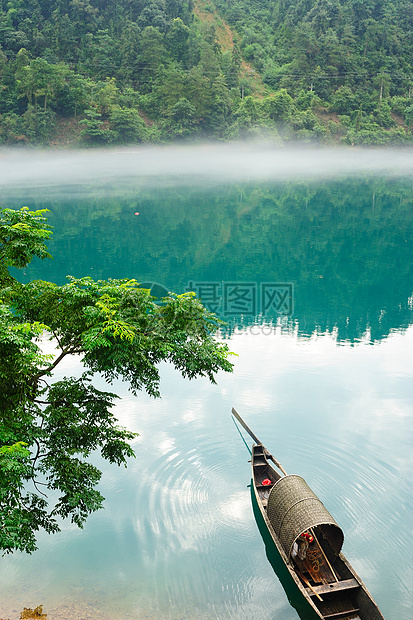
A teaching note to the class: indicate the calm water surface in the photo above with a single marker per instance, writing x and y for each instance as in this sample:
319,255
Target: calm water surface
329,389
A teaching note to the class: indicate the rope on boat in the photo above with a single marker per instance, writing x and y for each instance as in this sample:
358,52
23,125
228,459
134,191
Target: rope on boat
241,435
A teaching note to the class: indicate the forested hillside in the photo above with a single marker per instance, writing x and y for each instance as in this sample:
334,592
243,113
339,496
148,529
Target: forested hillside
96,72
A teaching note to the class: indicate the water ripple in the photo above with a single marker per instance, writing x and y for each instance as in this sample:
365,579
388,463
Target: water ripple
189,495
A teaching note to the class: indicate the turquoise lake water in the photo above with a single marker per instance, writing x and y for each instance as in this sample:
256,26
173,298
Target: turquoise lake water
314,277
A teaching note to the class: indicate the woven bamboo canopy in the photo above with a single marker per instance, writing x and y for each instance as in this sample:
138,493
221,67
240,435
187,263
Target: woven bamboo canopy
294,508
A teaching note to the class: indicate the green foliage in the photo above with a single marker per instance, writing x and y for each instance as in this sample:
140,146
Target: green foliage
22,236
399,105
96,131
343,100
181,118
49,428
39,79
408,115
128,125
21,513
278,106
176,41
67,59
38,126
349,55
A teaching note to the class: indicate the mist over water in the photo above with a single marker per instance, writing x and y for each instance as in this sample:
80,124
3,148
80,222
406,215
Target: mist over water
211,162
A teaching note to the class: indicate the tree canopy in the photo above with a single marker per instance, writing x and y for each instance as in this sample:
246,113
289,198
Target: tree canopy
50,427
150,71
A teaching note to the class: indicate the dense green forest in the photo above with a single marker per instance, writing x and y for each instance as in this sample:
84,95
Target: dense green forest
98,72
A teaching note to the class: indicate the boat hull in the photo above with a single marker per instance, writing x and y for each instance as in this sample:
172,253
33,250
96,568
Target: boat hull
345,597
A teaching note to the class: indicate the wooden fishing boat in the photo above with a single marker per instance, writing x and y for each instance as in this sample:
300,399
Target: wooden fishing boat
308,540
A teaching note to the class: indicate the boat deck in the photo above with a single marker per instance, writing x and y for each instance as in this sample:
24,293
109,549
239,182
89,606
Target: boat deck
316,566
330,593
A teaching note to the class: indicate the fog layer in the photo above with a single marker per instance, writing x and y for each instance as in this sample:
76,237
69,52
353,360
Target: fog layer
211,163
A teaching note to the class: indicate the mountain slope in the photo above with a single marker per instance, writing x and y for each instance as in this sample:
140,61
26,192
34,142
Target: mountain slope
356,56
95,72
249,77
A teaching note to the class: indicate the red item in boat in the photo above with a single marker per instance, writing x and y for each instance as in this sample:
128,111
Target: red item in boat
308,537
266,482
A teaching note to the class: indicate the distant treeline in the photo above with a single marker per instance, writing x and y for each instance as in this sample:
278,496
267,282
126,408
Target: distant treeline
77,72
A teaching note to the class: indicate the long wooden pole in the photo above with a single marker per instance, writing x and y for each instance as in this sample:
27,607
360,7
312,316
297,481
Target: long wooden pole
325,557
255,438
241,421
307,583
